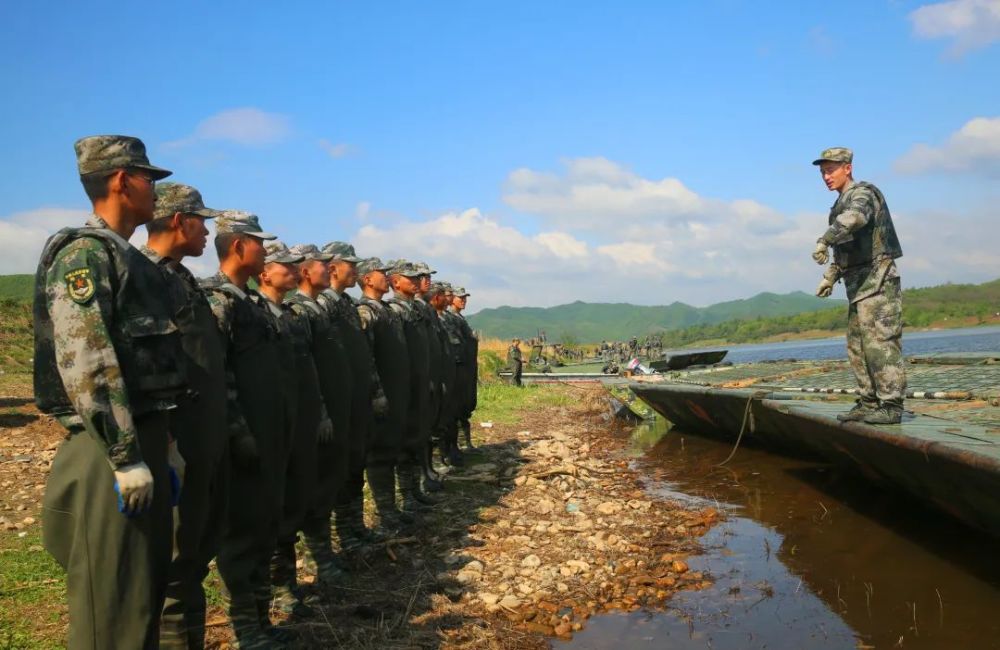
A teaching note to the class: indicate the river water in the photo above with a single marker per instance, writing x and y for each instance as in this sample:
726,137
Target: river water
971,339
811,557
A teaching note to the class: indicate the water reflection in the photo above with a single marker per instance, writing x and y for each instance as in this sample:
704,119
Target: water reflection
810,558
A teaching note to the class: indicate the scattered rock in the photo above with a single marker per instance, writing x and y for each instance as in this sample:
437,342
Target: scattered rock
531,561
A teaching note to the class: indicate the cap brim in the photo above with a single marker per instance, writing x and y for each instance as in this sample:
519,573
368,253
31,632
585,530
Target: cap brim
158,173
820,161
206,213
266,236
346,258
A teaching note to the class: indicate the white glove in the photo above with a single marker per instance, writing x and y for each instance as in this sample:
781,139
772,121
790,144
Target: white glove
825,288
324,432
176,461
822,253
135,488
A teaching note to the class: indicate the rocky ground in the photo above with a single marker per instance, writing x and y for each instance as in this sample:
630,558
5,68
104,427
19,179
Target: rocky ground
545,527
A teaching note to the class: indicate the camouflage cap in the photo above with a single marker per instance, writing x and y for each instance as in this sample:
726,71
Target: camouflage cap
106,153
278,252
405,267
439,287
424,269
240,223
835,154
341,251
371,264
310,252
172,198
460,292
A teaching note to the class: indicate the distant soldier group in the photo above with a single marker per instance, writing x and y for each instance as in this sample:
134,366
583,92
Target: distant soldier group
226,419
650,347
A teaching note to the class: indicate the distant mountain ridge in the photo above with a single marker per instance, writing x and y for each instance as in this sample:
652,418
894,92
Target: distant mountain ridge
590,322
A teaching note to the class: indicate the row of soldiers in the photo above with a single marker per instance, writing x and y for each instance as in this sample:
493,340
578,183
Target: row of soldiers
229,417
651,346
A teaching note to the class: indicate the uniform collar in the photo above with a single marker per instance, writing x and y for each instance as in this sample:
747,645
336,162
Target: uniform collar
97,222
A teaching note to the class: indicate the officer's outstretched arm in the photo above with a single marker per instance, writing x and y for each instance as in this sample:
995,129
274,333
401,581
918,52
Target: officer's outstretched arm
80,301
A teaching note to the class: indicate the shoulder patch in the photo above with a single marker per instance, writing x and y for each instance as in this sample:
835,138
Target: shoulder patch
80,285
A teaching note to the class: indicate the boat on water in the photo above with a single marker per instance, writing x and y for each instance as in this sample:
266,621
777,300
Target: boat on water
946,452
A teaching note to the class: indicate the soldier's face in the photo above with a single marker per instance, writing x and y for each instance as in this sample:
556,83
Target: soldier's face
253,254
405,285
346,272
194,234
835,175
282,277
424,283
317,273
138,189
458,302
378,281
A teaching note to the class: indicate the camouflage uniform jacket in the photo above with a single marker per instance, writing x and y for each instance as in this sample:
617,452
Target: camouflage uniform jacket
455,335
345,309
864,241
106,347
234,308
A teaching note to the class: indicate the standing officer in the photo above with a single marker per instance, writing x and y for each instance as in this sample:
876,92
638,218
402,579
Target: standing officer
865,247
367,402
334,371
108,368
387,339
514,361
257,418
468,382
199,421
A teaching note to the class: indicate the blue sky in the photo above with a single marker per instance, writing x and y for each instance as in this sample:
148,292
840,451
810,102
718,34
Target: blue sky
537,152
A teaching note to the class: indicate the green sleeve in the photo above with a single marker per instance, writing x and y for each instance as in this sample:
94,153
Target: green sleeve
80,300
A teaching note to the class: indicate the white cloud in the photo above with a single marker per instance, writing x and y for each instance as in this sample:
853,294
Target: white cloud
249,127
23,234
974,147
970,24
335,150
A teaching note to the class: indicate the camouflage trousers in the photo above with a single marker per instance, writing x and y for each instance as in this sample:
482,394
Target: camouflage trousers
874,345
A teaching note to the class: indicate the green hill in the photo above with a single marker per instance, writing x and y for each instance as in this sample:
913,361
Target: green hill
947,305
582,321
17,287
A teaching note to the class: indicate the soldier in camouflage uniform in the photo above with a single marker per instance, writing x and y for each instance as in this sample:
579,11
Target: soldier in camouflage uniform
514,361
438,356
108,367
199,421
441,296
386,337
468,380
368,400
865,247
334,371
405,280
312,425
258,418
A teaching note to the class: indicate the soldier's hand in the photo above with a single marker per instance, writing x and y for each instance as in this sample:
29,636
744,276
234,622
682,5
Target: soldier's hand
380,407
324,432
134,485
245,454
825,288
433,387
822,253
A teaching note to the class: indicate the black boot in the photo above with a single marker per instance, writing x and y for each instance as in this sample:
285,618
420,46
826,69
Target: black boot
409,488
245,619
467,432
382,481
